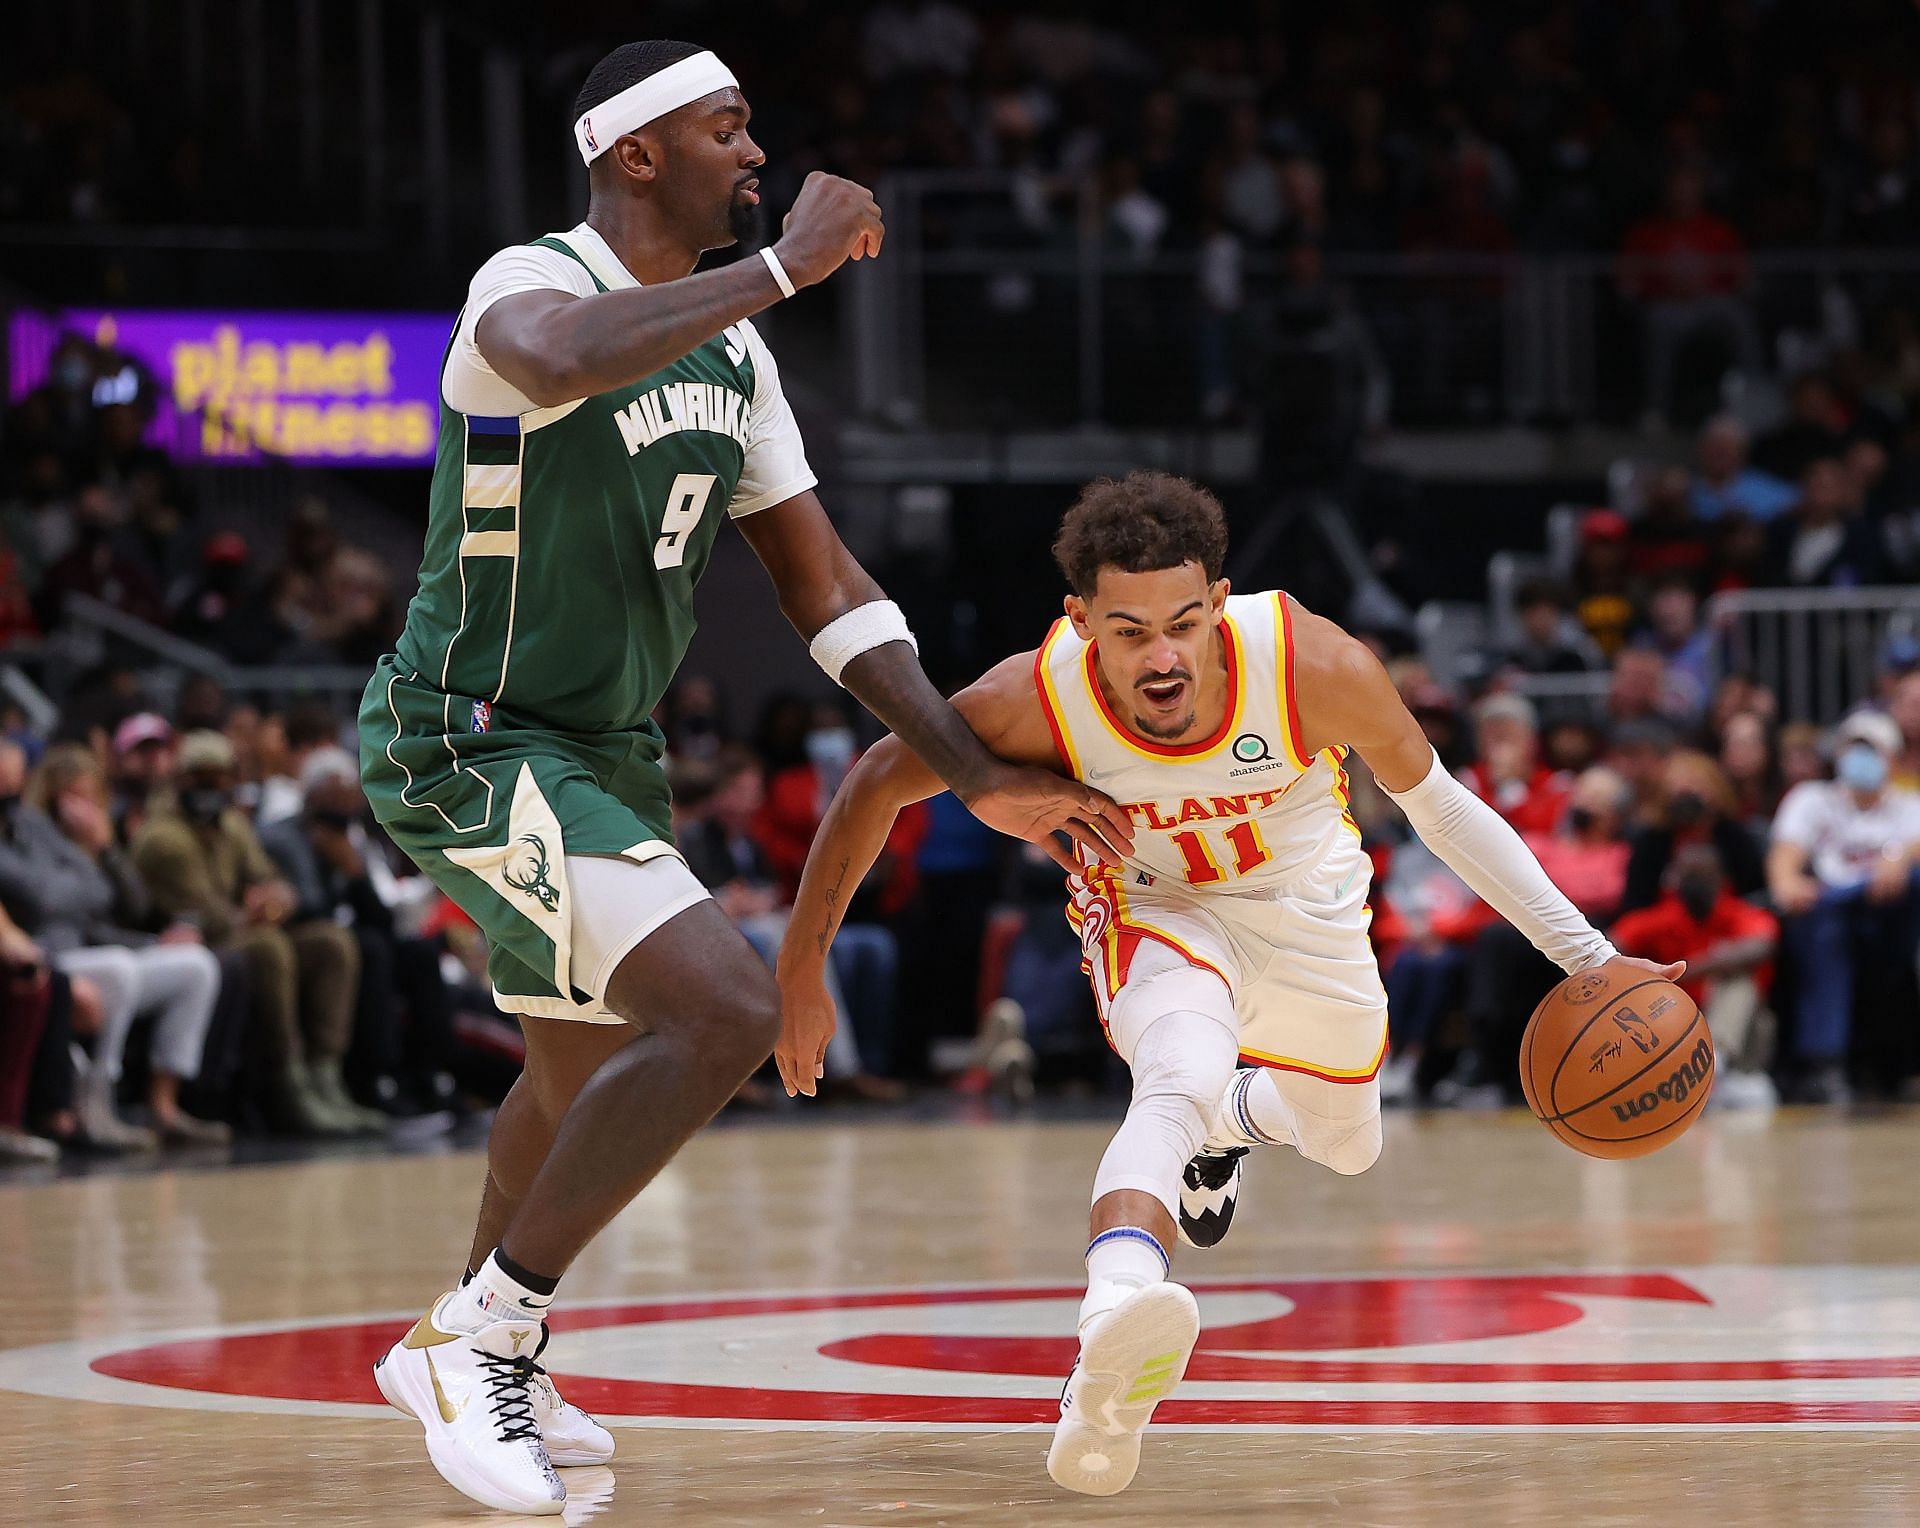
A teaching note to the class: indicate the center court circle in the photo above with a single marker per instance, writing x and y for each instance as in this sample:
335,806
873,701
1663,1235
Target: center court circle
1713,1347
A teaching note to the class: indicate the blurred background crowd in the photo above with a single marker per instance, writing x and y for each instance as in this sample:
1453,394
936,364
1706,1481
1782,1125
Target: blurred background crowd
1569,351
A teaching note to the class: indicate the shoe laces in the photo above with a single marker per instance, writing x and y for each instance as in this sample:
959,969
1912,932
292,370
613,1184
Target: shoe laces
509,1396
1211,1169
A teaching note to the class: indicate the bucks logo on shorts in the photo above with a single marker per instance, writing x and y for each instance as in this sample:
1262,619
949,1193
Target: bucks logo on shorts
527,870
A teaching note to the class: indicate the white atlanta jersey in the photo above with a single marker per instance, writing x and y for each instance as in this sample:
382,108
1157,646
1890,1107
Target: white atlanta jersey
1245,809
1246,862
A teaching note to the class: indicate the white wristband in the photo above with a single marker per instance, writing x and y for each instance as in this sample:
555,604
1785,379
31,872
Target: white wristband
780,276
860,630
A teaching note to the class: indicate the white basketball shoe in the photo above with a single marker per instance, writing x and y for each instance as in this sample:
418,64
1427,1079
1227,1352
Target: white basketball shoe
1130,1360
572,1436
473,1395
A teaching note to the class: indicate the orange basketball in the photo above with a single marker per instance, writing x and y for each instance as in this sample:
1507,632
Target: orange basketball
1616,1062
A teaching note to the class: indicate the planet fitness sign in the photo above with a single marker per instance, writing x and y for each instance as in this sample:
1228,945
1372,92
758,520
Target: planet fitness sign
338,389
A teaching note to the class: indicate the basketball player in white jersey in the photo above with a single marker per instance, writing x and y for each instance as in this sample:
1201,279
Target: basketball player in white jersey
1229,952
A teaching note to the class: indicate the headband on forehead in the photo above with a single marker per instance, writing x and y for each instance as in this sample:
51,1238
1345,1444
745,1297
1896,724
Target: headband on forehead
659,93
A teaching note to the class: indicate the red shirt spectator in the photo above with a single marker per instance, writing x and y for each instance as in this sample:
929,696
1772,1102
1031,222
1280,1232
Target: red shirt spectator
795,806
1593,875
1683,252
1668,931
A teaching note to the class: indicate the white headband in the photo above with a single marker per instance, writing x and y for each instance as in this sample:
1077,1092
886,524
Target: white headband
650,99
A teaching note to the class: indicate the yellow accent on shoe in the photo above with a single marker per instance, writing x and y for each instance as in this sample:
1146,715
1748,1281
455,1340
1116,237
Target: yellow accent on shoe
448,1411
425,1334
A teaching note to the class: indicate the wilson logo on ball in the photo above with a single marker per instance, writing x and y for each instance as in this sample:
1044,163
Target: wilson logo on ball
1674,1090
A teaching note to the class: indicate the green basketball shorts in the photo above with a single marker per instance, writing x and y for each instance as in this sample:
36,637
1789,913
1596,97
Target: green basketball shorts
510,820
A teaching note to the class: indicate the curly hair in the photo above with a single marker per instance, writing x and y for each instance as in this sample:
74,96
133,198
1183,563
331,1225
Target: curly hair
1140,523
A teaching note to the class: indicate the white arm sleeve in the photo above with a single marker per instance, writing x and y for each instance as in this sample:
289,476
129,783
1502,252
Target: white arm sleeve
776,466
1479,846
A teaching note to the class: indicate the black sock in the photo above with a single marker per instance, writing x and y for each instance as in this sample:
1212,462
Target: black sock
467,1277
519,1275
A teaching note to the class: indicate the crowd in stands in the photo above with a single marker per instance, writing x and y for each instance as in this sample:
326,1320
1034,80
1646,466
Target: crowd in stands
90,507
1677,141
1780,862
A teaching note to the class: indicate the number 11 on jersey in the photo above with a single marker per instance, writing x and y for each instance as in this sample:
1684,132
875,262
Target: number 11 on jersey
1250,852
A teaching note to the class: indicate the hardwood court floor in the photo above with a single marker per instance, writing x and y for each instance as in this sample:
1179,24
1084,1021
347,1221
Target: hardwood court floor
867,1324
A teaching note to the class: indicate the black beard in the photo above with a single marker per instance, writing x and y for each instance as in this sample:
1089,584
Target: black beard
743,221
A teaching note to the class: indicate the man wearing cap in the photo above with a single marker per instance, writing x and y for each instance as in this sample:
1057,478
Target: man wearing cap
203,864
604,410
143,763
1841,874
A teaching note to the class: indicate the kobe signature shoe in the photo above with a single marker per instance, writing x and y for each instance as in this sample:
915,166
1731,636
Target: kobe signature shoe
472,1393
572,1436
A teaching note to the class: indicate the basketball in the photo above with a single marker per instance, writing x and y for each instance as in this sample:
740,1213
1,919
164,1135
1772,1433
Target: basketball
1616,1062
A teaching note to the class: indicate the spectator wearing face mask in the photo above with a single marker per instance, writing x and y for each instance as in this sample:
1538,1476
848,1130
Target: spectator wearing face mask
1728,945
797,801
203,864
1841,874
1696,805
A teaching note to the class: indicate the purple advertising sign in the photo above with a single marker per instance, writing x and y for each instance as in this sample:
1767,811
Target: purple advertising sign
328,389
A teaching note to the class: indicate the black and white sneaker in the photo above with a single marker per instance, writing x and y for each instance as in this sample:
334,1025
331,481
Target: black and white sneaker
1208,1189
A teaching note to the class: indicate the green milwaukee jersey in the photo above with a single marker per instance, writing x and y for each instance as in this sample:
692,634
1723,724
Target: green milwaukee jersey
563,544
511,733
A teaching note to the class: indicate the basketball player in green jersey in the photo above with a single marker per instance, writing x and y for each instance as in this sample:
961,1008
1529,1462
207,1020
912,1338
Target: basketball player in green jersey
603,410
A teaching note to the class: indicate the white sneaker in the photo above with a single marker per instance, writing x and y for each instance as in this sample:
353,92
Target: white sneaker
473,1395
1396,1080
1130,1360
572,1437
1743,1090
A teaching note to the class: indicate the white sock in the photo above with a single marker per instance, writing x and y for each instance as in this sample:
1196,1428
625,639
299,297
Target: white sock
491,1295
1253,1113
1332,1123
1119,1262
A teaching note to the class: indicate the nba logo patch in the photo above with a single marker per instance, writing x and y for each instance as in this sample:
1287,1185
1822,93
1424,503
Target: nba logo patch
586,127
482,716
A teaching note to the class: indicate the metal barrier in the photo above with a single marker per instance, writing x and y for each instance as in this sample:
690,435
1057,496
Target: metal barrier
1818,650
92,632
1004,301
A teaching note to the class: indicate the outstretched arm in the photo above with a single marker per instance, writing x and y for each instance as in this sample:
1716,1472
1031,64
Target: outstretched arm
818,581
1347,698
1003,710
556,347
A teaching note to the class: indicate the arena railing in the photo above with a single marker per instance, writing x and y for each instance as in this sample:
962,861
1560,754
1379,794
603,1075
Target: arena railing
1818,650
984,266
92,632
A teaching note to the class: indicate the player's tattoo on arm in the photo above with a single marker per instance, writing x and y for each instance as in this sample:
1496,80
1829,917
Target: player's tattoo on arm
832,920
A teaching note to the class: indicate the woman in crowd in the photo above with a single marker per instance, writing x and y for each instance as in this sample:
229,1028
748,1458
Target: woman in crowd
103,930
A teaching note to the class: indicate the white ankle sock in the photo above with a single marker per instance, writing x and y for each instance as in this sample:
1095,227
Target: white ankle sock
491,1295
1253,1113
1119,1262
